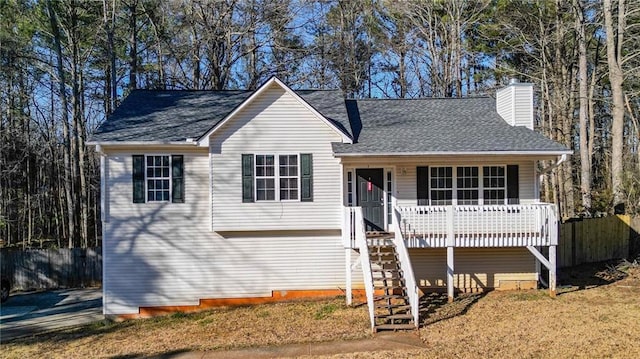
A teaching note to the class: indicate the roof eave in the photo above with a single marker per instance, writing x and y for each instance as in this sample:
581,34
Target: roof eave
455,153
141,143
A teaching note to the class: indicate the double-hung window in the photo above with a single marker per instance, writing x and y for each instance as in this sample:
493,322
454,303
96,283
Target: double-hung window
268,182
277,177
493,178
467,185
158,178
288,165
265,178
467,181
441,186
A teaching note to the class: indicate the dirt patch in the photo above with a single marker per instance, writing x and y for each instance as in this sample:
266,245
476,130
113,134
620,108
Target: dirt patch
596,314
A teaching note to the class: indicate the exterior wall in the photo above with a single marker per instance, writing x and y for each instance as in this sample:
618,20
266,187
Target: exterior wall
504,104
404,173
515,104
475,268
159,254
275,123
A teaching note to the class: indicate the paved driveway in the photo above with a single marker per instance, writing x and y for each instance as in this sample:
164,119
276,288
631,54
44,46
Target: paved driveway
38,312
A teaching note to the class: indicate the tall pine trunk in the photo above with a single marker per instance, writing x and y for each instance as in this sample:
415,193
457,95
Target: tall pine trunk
615,38
67,176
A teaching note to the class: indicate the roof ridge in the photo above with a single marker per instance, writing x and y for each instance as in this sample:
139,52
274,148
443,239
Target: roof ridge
187,90
426,98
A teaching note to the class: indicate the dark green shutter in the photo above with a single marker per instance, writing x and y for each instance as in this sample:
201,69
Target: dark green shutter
177,179
306,177
513,186
247,178
422,185
138,179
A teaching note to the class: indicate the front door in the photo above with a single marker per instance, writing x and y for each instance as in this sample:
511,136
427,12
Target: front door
370,189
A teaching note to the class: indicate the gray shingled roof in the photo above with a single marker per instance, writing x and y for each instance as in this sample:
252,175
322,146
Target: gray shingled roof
154,115
378,125
437,125
330,103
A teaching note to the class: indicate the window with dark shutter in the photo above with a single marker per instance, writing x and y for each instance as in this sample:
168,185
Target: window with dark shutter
158,178
138,179
247,178
177,179
306,177
422,185
513,186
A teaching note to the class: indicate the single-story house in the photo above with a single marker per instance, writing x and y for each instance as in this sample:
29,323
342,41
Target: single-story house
222,197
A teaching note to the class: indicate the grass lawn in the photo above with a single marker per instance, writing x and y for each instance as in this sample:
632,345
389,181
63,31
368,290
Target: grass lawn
598,316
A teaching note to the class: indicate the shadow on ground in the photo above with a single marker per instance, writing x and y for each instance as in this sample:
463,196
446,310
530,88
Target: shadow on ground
435,307
592,275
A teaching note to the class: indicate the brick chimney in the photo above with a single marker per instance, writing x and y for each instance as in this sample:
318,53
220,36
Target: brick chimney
515,104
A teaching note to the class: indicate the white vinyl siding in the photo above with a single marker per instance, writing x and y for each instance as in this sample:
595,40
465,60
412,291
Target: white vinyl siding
275,122
514,104
523,106
162,254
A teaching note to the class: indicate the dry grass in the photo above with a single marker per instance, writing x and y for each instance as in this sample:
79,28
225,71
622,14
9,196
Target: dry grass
584,321
268,324
590,319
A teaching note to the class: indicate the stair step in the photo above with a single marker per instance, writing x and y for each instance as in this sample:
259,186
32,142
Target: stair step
381,248
376,250
390,296
388,278
402,316
383,262
390,286
392,306
395,327
378,270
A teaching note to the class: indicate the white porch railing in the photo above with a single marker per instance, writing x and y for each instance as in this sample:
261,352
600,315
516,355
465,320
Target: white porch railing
357,238
350,226
479,226
407,269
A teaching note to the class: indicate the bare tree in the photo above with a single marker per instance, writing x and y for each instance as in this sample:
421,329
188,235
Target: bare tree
614,29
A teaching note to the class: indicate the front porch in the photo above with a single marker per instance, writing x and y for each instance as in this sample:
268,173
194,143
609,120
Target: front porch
530,226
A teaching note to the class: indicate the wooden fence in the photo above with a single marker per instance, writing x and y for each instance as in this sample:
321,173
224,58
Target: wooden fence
592,240
52,268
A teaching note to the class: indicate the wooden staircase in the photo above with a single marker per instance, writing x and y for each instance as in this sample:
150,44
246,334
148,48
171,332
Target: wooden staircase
391,302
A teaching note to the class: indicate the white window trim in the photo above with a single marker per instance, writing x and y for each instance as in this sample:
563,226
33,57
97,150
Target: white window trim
454,184
504,188
146,179
453,187
477,188
276,177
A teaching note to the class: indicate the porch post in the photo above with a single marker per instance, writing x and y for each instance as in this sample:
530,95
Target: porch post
450,245
347,267
538,270
552,271
450,273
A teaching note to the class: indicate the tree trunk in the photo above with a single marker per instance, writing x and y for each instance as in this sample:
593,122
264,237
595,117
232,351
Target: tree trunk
614,38
55,30
585,159
133,45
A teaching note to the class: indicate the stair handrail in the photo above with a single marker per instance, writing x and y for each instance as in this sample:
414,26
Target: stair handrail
407,268
361,243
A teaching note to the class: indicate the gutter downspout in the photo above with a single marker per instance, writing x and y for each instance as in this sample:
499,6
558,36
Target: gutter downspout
103,218
563,158
546,170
